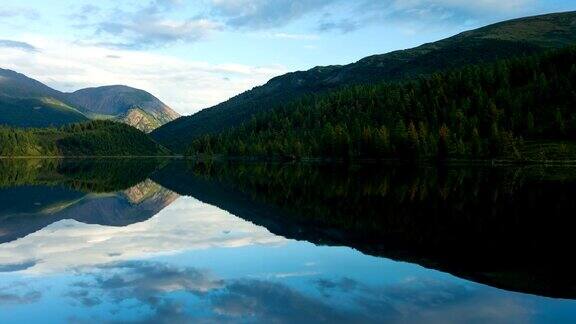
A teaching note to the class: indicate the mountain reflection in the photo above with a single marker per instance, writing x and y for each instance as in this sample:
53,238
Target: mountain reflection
69,244
508,227
37,193
176,241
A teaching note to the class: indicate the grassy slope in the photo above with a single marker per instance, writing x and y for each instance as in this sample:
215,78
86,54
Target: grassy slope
34,112
503,40
25,102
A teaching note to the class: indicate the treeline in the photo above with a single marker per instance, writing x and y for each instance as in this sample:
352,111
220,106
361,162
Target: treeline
487,111
94,138
21,142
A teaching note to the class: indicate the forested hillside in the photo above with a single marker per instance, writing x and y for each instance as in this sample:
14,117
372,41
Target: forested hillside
503,40
94,138
483,111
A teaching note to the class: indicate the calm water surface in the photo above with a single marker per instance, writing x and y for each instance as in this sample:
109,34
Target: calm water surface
177,242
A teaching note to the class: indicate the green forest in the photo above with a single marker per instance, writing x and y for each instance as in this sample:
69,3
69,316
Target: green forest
520,109
94,138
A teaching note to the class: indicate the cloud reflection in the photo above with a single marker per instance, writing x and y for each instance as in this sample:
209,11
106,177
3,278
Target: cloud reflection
17,266
187,224
181,294
418,300
18,293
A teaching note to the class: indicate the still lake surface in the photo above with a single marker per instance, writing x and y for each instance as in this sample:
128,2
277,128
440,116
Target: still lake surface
175,242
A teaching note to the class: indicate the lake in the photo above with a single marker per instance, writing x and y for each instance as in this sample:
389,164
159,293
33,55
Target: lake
175,241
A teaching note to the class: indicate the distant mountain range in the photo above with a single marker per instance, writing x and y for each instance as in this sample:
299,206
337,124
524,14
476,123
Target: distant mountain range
499,41
25,102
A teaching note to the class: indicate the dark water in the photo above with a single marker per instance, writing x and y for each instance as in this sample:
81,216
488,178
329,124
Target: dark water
175,242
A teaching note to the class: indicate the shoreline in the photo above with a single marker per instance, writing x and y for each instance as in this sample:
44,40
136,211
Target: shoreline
450,162
89,157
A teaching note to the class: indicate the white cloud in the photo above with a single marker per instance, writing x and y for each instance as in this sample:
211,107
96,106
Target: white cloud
153,23
262,14
143,25
186,86
141,32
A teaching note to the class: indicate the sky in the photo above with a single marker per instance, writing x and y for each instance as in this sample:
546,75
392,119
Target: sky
195,54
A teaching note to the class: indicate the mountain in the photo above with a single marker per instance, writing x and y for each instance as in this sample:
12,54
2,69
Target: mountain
499,41
132,106
18,85
514,109
25,102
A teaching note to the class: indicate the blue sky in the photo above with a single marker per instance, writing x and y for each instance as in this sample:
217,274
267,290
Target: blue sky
193,54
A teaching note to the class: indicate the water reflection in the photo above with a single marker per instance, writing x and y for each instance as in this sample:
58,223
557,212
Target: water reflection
184,225
101,241
156,286
27,209
507,227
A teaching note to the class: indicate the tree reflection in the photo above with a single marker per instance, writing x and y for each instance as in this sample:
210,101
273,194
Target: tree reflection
506,226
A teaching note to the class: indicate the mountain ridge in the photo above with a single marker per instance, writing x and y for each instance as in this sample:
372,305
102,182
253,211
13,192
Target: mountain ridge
522,36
